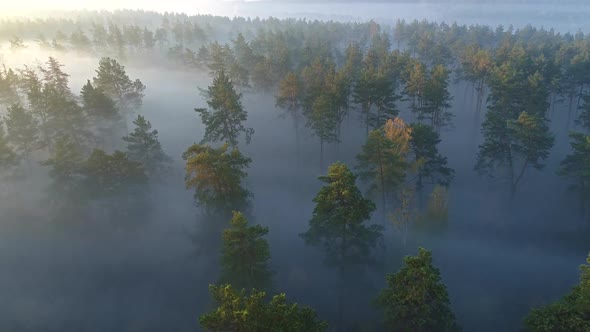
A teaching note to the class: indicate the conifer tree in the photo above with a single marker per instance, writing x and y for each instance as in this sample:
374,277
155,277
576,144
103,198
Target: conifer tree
224,121
416,299
245,255
239,311
217,177
143,146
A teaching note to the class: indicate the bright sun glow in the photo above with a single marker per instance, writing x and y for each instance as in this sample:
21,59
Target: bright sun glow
22,7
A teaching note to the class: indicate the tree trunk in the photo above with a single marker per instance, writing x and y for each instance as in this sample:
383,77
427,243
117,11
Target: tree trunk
342,277
521,173
367,112
321,154
297,140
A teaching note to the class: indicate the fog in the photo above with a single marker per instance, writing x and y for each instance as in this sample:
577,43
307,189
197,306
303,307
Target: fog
498,258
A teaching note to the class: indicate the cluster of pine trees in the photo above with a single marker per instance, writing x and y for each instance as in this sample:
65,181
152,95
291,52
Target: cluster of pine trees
321,75
74,136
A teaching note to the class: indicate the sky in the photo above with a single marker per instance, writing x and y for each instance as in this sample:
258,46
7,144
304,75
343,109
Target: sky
192,6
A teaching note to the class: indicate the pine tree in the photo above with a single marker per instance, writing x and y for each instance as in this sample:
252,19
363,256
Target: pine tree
65,169
436,99
22,129
224,122
433,168
381,166
415,299
8,157
570,314
217,175
576,165
245,255
54,76
338,226
109,175
112,79
237,311
143,146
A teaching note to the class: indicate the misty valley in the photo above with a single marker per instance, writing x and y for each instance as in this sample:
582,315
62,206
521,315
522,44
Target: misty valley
174,172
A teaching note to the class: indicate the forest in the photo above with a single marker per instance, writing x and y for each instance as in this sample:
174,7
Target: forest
165,171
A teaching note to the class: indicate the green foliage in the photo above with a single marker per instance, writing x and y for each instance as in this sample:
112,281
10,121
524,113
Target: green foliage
436,98
245,255
415,299
217,175
383,160
416,80
322,118
62,115
570,314
98,104
65,162
584,118
436,216
143,146
576,165
250,313
375,89
112,79
224,122
9,84
432,167
525,140
8,157
515,129
108,175
65,169
22,129
290,93
380,165
55,77
338,222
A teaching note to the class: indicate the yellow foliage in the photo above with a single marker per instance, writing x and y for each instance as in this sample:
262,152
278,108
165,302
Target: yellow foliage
400,134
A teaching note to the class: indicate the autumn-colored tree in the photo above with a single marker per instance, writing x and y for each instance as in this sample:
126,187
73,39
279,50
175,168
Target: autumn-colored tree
217,177
383,159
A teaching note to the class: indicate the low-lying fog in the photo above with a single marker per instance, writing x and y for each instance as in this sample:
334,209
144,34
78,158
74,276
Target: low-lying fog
60,278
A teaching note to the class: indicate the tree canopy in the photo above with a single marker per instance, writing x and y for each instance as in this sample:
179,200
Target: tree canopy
416,299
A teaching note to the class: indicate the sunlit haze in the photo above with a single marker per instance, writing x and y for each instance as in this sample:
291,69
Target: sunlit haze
189,7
